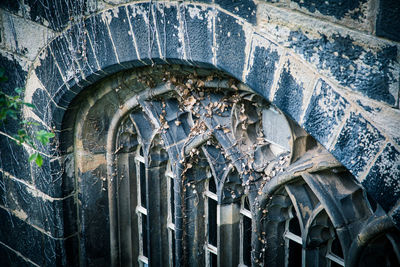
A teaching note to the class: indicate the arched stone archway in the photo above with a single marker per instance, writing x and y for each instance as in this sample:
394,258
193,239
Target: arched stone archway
361,133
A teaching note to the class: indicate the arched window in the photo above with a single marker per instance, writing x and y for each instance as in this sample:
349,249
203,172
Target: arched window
303,225
142,207
261,191
322,243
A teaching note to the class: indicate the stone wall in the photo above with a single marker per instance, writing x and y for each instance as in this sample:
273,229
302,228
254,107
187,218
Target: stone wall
331,66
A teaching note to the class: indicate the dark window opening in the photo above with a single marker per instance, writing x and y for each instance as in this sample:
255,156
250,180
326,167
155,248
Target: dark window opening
247,241
144,236
212,222
211,186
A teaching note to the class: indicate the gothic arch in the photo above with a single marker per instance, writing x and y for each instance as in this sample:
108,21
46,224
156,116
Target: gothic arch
122,115
202,35
144,34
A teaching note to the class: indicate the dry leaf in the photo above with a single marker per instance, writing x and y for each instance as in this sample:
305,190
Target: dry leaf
242,117
222,108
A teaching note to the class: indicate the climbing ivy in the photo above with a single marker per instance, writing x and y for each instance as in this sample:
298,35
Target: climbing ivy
10,108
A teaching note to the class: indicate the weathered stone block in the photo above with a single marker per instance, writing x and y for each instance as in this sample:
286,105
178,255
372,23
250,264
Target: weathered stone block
203,1
357,144
102,44
14,72
373,72
48,112
82,52
356,14
38,209
386,119
22,37
55,15
143,25
334,8
53,178
51,106
118,23
263,62
291,92
230,38
168,31
48,72
40,98
383,179
245,9
388,20
14,159
197,22
23,238
63,96
9,258
61,50
325,112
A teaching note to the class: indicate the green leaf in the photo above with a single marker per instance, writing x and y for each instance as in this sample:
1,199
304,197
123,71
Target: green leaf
44,136
18,140
21,132
29,105
37,158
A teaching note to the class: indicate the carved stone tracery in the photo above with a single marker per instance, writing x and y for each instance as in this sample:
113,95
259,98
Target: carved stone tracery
208,125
